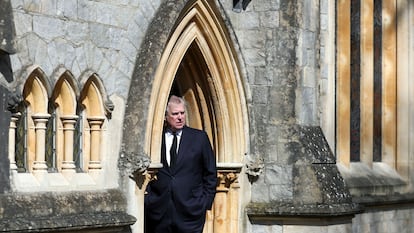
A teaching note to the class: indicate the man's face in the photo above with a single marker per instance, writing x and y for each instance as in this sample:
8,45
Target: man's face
175,116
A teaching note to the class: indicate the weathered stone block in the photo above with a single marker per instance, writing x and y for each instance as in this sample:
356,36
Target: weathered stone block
50,212
4,135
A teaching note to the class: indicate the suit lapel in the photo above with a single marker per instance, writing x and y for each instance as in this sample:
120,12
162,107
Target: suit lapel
163,154
185,144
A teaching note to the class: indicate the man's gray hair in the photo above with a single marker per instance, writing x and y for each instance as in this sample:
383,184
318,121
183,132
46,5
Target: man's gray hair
174,100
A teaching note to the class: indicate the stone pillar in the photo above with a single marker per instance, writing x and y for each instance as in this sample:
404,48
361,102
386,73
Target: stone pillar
221,223
95,124
12,141
142,178
226,201
69,122
40,122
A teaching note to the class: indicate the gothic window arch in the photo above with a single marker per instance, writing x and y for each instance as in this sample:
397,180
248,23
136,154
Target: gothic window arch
35,97
64,109
92,110
55,134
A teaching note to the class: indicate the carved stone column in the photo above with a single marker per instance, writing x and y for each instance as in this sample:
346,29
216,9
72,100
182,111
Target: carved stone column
226,202
12,141
40,122
95,124
69,122
142,177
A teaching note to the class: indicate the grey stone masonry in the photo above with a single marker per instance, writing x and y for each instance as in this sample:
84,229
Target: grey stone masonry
310,186
7,30
4,125
146,64
99,36
279,42
51,212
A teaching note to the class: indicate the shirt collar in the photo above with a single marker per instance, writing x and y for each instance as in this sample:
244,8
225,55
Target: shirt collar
170,132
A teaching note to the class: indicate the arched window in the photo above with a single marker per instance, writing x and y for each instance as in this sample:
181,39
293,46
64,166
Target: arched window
92,108
55,133
35,96
65,118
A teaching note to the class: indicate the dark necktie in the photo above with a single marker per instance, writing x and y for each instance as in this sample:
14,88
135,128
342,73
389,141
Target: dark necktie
173,150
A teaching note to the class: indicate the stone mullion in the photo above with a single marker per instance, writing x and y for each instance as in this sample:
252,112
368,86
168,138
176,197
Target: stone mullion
389,83
95,124
233,198
69,122
343,81
12,141
40,121
367,81
403,86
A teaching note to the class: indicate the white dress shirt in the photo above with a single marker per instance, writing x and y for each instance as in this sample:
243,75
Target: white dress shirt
168,142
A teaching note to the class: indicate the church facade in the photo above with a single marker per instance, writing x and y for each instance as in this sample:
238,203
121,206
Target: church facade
308,105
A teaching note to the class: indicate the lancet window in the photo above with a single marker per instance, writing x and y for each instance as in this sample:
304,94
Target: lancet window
57,129
366,81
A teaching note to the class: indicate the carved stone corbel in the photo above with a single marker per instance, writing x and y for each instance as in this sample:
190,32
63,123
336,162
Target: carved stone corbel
139,168
227,174
143,177
254,168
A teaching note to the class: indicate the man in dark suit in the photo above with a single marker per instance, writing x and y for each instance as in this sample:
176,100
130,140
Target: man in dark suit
177,201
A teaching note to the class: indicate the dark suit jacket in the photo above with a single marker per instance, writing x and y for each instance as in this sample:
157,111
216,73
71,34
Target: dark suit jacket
191,185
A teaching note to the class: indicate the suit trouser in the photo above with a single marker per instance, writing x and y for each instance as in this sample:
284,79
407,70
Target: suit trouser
172,222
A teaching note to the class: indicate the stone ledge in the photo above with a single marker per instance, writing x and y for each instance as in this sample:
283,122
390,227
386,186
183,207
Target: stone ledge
306,210
296,213
55,211
361,175
371,184
111,221
385,200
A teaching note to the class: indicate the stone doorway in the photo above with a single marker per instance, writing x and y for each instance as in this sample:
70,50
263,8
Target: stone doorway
198,63
188,50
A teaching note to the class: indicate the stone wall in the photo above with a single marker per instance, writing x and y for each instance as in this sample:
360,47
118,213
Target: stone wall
101,36
75,211
81,37
286,61
4,125
387,220
7,35
280,47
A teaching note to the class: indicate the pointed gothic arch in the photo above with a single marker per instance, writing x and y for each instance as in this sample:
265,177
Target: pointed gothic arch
65,92
198,62
64,117
212,87
188,49
36,92
92,102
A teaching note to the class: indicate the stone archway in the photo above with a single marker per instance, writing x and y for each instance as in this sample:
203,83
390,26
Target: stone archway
199,61
193,51
199,42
